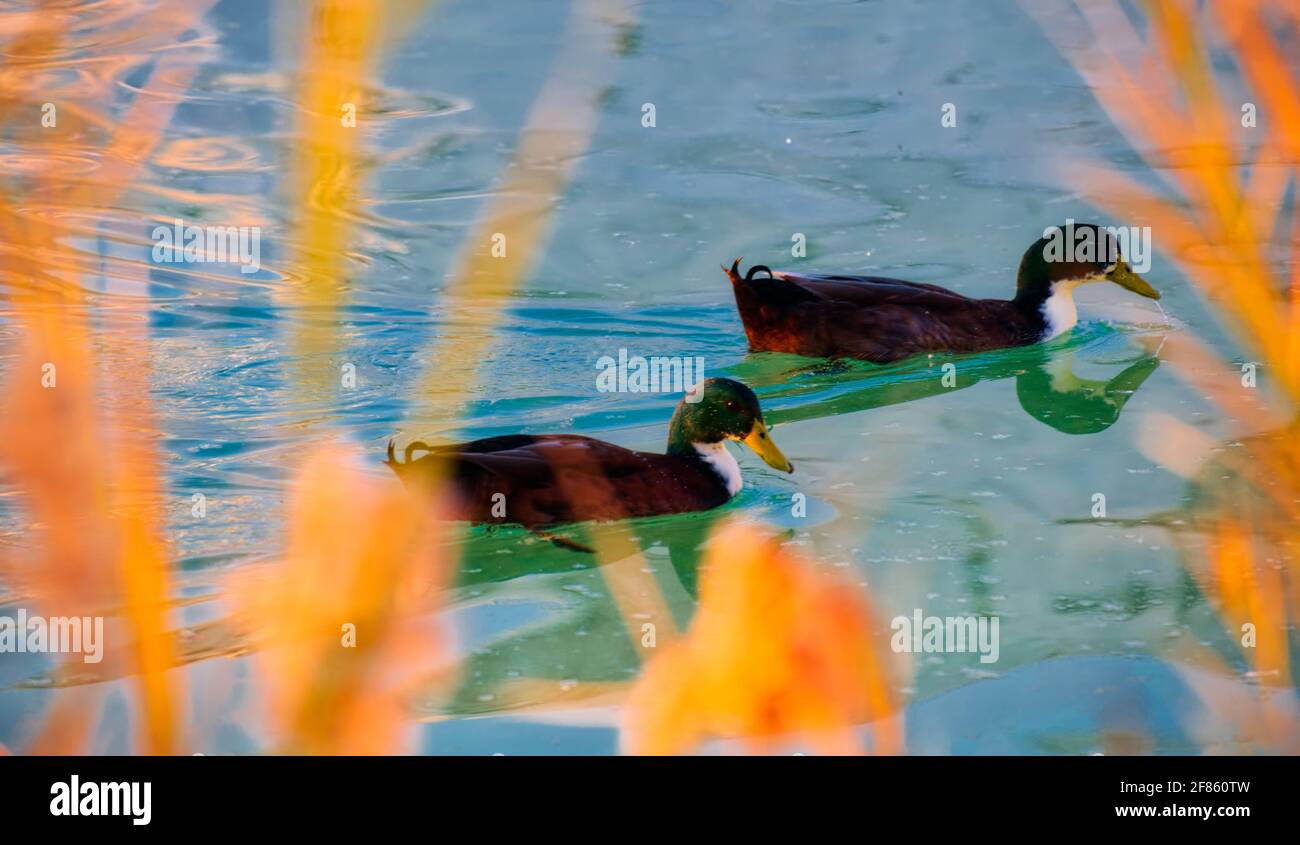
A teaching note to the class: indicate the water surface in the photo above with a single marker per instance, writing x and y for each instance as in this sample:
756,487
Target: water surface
772,119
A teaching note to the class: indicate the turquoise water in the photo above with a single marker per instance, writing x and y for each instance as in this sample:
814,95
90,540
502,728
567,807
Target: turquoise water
773,118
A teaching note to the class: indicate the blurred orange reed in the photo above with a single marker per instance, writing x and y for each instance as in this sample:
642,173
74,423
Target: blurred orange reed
777,654
339,47
343,628
555,136
77,445
1224,228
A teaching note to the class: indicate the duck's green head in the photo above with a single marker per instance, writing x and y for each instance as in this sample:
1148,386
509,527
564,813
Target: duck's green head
1074,254
721,409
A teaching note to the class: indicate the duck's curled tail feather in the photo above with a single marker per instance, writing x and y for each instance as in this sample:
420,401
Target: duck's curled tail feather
406,453
733,272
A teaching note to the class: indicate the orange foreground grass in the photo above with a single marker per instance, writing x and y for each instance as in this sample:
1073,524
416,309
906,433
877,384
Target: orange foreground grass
778,653
344,627
77,440
84,456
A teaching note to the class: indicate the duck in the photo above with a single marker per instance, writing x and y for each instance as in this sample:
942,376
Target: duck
885,320
541,481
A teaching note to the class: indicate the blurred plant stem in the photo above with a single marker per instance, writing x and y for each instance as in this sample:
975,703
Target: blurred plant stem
78,436
505,245
778,655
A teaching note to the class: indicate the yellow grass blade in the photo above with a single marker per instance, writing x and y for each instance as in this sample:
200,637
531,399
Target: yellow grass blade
777,653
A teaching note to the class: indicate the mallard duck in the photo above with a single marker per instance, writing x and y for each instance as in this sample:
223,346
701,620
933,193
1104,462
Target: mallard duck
884,320
541,480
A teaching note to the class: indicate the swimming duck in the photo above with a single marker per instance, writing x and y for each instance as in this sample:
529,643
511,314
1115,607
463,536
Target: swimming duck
884,320
555,479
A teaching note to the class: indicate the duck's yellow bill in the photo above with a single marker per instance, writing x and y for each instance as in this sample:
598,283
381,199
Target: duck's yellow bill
760,441
1124,276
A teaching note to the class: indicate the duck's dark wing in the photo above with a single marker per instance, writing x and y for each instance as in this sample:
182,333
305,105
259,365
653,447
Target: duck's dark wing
552,479
864,291
872,318
534,461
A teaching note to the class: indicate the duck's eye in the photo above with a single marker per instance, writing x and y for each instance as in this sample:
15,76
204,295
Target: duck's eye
731,405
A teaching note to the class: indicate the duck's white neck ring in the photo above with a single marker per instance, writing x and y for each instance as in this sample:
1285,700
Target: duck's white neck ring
1059,311
723,462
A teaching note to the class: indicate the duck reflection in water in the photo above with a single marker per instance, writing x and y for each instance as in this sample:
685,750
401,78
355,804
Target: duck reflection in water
1047,386
1052,394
